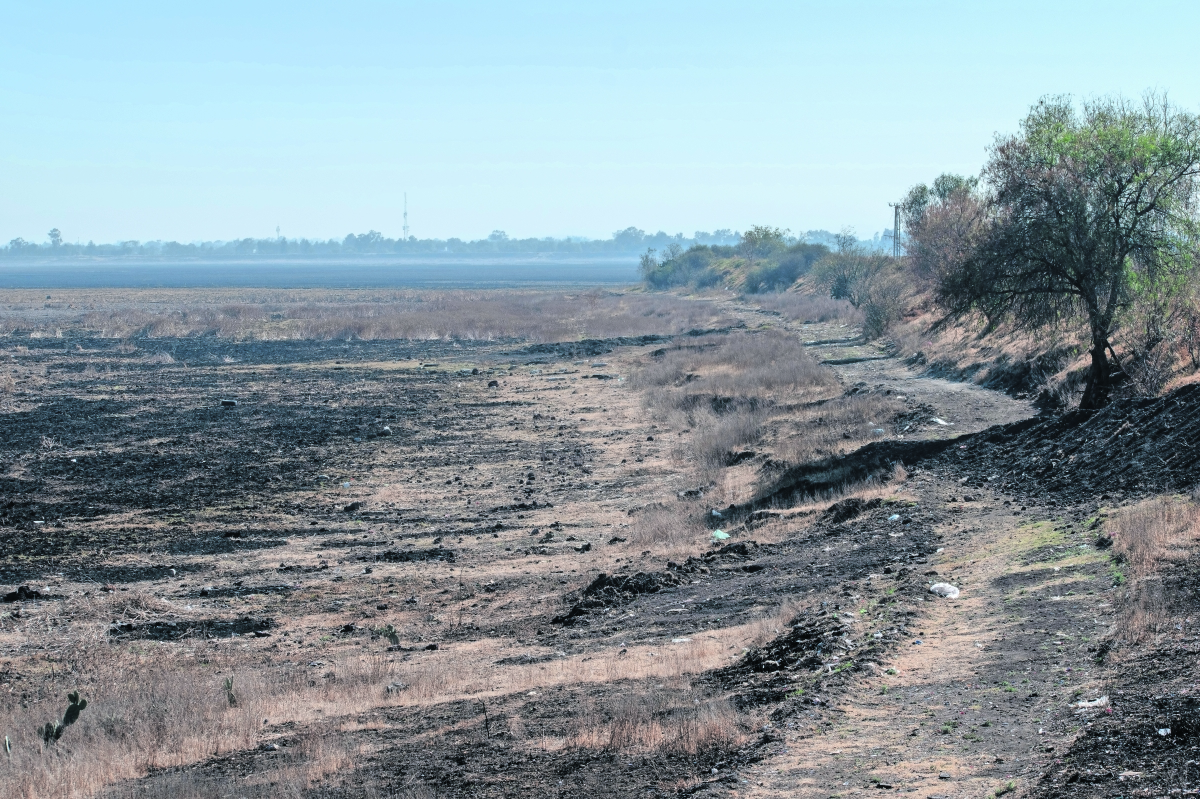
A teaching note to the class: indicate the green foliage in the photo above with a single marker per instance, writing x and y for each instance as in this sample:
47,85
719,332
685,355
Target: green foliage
230,696
772,264
762,241
679,267
53,730
389,632
1087,211
784,268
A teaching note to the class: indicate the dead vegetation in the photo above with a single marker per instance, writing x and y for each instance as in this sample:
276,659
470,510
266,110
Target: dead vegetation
727,389
1148,539
321,314
661,721
808,308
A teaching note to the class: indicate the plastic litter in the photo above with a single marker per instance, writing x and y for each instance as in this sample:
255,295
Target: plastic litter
895,517
680,640
944,589
1086,703
1164,731
936,420
717,514
720,535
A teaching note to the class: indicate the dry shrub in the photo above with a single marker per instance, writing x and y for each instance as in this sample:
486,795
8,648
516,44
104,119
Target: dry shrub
1147,538
771,365
153,706
667,529
290,774
719,435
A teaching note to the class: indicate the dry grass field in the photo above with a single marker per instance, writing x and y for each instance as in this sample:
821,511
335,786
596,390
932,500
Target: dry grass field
466,544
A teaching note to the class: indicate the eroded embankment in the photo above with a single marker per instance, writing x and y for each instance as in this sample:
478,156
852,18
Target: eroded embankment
1140,446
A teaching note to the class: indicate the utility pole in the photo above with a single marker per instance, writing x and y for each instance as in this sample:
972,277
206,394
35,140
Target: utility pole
896,230
406,216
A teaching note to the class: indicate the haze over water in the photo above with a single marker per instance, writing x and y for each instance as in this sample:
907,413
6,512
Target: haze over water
383,271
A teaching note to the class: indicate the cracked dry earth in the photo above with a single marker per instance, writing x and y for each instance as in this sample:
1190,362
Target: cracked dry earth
428,586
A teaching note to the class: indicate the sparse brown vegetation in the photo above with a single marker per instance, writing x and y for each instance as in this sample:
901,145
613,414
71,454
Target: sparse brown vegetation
804,306
320,314
1148,538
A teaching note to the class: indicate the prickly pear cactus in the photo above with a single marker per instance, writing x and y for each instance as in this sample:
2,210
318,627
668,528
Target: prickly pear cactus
53,730
74,708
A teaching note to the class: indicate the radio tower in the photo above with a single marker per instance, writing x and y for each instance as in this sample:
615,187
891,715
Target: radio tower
406,216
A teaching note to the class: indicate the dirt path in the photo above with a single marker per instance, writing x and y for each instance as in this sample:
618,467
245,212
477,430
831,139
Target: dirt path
978,698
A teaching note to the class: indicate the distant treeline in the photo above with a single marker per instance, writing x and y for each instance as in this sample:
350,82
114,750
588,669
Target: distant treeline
629,240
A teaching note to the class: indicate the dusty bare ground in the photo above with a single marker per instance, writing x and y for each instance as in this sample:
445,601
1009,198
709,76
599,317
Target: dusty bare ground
378,575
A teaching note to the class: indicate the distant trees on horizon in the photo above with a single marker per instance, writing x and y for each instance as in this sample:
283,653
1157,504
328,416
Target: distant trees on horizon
630,240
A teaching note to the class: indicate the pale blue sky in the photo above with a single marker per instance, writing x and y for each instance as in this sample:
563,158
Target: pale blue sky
221,120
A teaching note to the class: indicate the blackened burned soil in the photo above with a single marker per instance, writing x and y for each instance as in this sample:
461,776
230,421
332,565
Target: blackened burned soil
192,628
1136,446
473,749
1147,741
413,555
859,557
154,447
590,348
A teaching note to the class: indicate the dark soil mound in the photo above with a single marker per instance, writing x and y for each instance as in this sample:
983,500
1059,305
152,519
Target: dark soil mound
590,348
818,644
1143,445
1139,445
413,555
606,591
204,628
849,509
803,646
24,594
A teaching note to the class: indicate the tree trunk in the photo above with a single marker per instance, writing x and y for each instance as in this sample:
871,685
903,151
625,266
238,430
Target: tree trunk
1099,381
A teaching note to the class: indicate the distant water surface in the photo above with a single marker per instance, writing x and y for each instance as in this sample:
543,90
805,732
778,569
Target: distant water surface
451,271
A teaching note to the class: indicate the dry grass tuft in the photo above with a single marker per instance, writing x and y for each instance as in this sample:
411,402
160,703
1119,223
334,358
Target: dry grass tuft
727,387
669,530
1148,537
809,308
653,721
833,428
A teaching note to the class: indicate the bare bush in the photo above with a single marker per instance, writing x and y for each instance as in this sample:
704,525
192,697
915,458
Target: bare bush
833,428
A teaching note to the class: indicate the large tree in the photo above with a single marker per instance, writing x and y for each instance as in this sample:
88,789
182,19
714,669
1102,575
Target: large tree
1082,210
